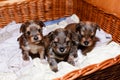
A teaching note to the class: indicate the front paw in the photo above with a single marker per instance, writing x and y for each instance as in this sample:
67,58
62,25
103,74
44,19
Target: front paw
53,65
71,61
26,57
54,68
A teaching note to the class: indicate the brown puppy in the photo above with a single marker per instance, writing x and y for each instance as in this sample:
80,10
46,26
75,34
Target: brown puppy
59,47
85,33
31,40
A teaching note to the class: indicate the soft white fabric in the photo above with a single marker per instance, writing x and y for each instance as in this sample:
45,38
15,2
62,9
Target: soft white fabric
13,67
61,24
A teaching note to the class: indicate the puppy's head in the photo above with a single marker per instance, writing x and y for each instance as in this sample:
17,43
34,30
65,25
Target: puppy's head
32,30
87,31
61,41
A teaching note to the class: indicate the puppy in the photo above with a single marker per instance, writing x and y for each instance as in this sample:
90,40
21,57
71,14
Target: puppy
85,33
31,40
59,47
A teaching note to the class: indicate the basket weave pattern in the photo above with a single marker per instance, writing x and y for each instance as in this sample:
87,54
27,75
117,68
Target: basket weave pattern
107,22
32,9
53,9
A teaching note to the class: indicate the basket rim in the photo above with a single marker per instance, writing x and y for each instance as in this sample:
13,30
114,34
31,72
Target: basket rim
11,2
90,69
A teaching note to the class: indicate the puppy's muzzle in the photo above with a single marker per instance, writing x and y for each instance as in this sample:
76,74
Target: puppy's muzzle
36,38
86,43
62,49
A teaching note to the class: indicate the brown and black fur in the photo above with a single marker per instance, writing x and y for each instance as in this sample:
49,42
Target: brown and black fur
31,40
85,33
59,47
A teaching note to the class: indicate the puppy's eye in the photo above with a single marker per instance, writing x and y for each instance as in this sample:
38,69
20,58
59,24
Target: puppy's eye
39,30
55,42
82,35
28,32
68,42
92,36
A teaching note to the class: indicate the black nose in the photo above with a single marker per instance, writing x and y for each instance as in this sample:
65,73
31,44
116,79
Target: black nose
86,42
62,49
35,38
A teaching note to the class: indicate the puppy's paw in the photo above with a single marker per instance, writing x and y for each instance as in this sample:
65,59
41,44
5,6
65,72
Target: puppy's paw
26,58
71,61
54,67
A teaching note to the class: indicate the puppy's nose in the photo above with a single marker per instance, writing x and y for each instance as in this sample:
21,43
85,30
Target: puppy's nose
35,38
62,49
86,42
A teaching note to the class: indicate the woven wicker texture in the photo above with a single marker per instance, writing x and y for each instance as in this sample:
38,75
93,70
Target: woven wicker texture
107,22
53,9
35,9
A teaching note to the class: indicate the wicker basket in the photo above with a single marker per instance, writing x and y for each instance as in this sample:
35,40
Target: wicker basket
53,9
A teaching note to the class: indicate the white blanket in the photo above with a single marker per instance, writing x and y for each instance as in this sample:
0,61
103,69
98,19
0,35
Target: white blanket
13,67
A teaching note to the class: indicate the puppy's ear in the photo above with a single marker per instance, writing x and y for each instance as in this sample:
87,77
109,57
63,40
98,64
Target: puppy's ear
78,26
96,26
41,23
68,33
51,36
22,28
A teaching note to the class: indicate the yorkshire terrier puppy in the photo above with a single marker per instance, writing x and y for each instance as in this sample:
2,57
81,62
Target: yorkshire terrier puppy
31,41
85,33
59,47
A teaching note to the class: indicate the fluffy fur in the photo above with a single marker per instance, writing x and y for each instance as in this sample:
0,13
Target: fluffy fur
59,47
85,34
31,40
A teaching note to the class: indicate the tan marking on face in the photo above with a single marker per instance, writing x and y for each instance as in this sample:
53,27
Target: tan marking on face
56,39
33,28
92,33
67,39
28,29
82,33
